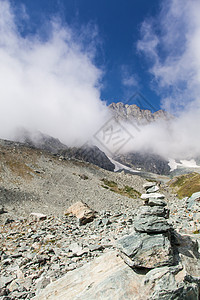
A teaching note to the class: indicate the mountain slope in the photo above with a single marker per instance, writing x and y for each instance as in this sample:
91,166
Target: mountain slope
91,154
146,162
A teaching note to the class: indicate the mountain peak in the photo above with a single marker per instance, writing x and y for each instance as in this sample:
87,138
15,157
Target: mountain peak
132,112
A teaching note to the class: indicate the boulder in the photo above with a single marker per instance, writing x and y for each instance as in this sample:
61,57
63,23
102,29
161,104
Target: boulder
146,251
191,201
171,283
82,211
107,277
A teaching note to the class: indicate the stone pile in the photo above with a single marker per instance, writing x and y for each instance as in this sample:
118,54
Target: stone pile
150,245
154,263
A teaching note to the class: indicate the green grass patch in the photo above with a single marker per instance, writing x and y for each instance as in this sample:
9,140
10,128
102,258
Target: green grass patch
109,183
186,185
127,191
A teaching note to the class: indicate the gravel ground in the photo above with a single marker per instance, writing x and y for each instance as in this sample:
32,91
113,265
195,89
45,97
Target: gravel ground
33,254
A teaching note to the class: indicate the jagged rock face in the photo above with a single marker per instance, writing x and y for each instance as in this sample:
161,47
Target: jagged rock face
91,154
147,162
144,161
130,113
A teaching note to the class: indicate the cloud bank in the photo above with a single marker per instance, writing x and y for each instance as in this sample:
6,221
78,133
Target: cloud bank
48,83
171,45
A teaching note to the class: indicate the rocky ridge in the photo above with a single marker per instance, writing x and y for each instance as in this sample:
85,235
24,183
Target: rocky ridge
132,113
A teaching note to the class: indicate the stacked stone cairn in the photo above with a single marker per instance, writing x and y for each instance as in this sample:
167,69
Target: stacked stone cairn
150,244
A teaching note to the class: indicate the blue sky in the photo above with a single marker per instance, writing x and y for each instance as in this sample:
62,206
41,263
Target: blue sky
117,24
59,60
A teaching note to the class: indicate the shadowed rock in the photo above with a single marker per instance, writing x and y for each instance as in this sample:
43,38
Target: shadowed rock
147,251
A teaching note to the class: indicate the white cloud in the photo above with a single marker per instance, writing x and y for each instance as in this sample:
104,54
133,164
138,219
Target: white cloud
128,78
130,81
171,45
50,85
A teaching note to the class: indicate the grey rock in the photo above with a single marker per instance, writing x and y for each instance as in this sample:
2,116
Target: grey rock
106,221
191,201
77,250
5,280
8,221
156,202
96,247
151,224
146,251
108,277
97,222
2,210
171,283
146,211
20,285
41,283
38,216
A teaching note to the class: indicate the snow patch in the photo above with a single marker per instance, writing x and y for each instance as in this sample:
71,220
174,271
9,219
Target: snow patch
183,164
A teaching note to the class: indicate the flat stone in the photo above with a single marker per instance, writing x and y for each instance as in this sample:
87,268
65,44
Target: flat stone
146,251
77,250
151,224
156,202
152,189
159,211
148,185
152,195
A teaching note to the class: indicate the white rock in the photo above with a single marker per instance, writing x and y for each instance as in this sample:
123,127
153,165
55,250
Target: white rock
38,216
152,195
